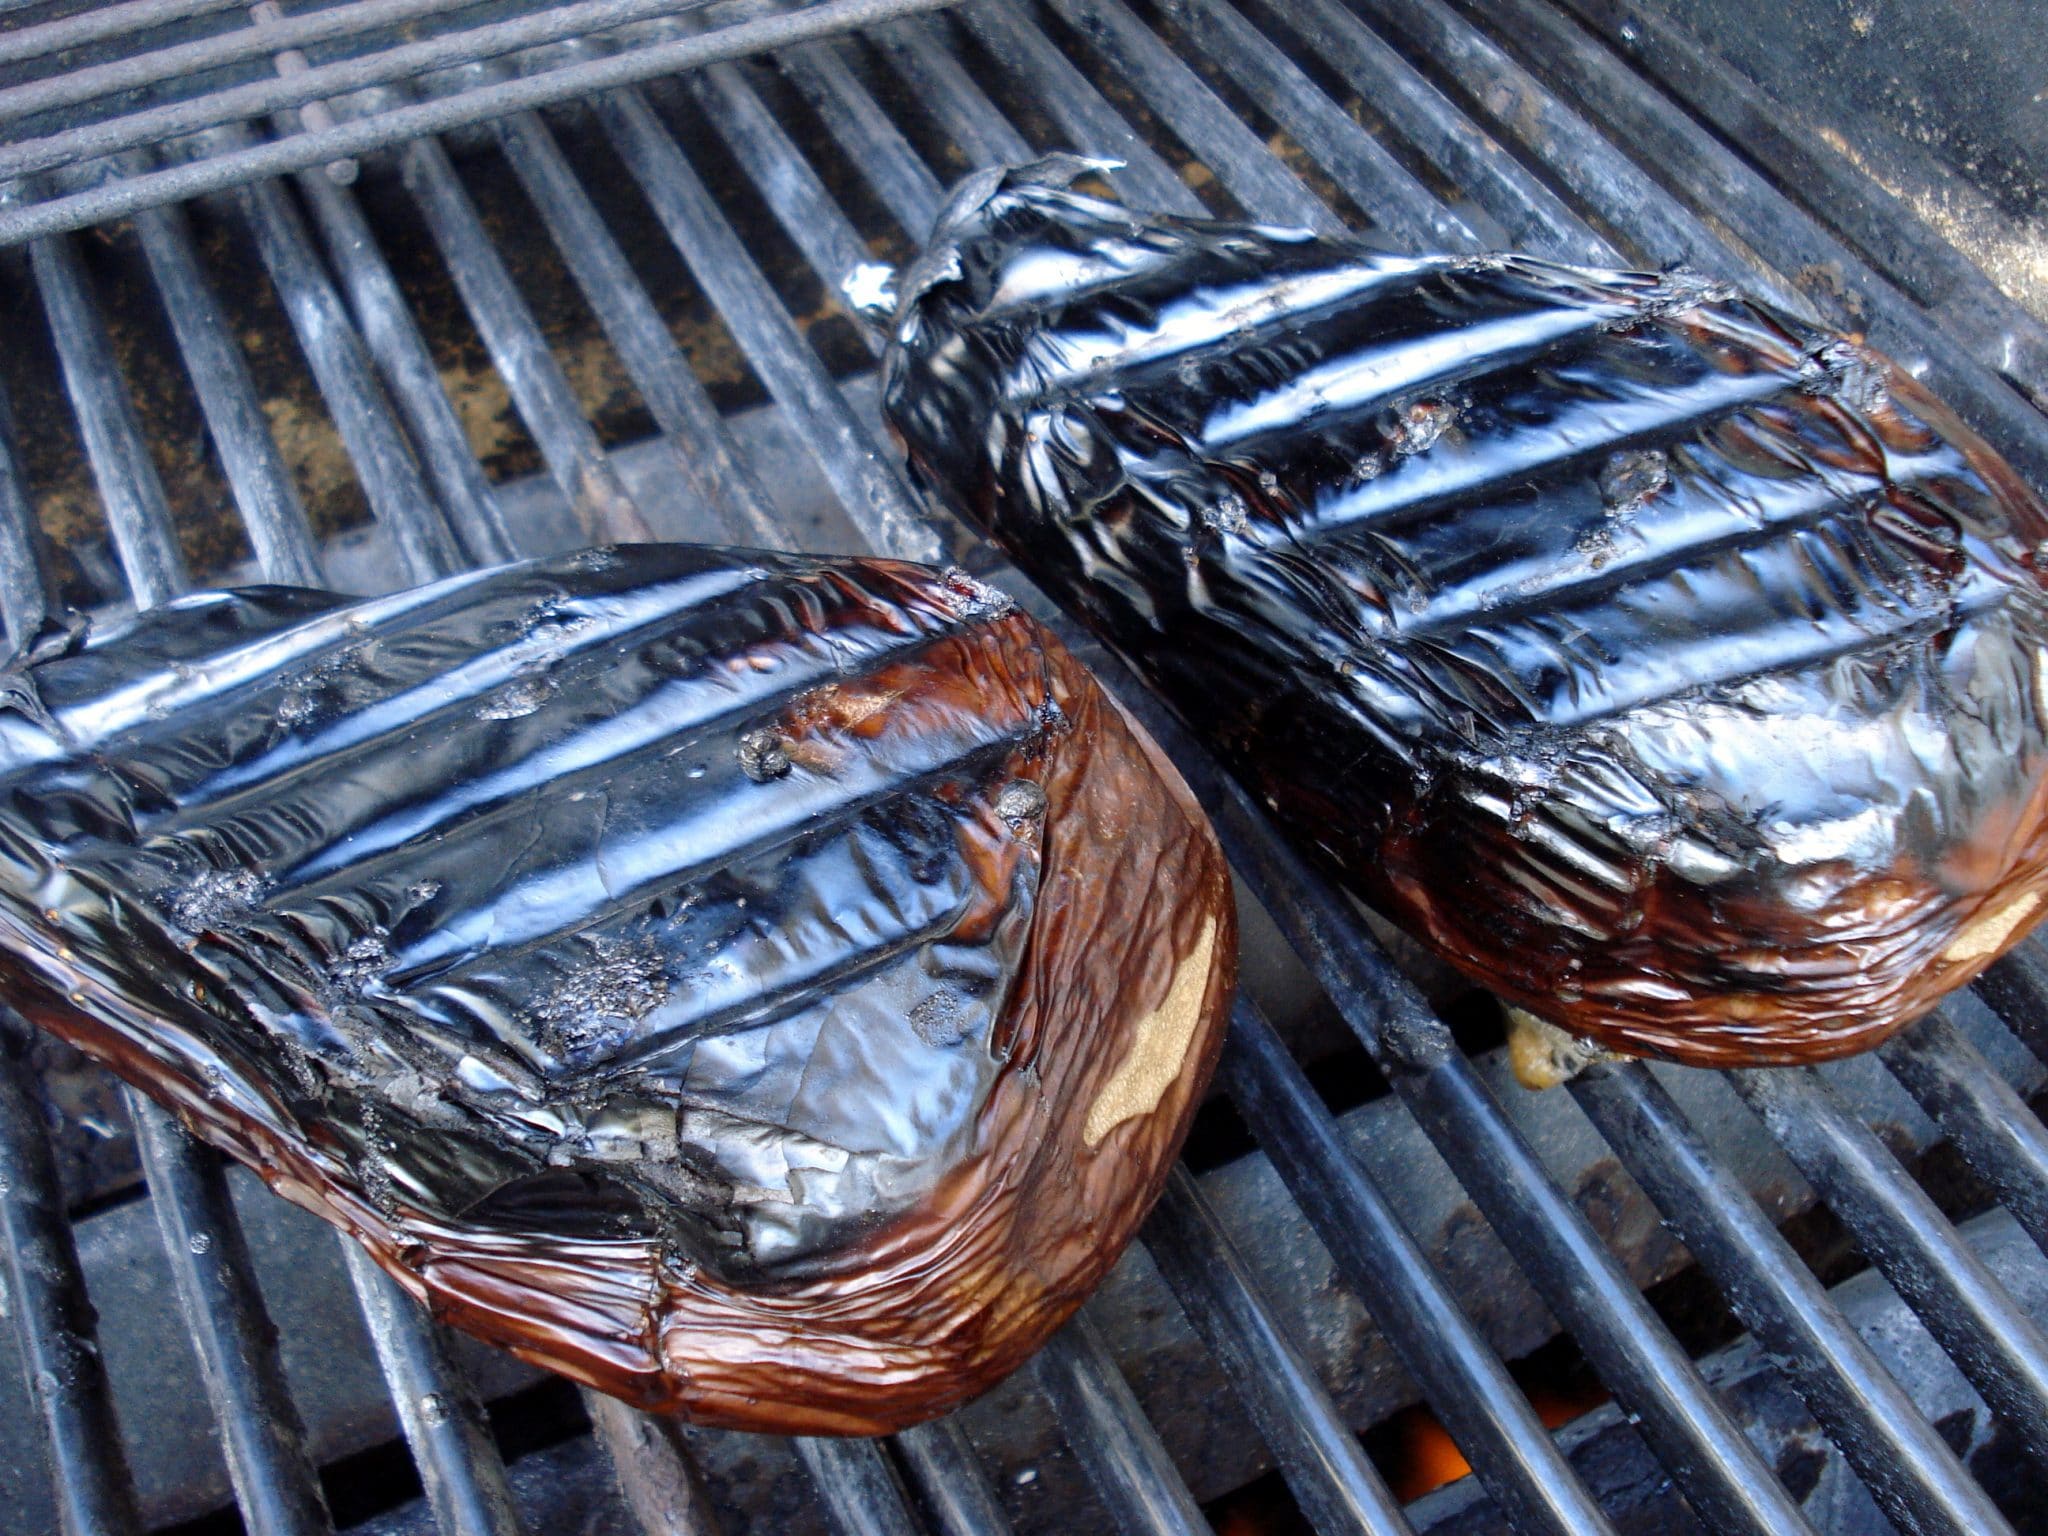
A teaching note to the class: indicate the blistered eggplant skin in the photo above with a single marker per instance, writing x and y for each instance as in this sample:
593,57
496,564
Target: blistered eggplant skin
1667,666
766,989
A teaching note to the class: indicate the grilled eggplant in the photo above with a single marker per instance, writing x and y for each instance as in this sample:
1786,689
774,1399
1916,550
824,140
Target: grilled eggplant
763,988
1668,666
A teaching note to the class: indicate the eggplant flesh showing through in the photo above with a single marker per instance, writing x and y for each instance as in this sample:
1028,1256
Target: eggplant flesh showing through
764,988
1664,664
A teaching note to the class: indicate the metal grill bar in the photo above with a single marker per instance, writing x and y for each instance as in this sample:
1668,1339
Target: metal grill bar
208,1256
1530,215
1261,184
392,338
879,149
1089,122
443,1422
1379,186
1630,1349
137,515
1460,1376
97,25
261,1437
2017,987
661,1484
398,124
262,487
53,1318
858,1486
377,448
1521,110
705,451
937,79
1781,238
1111,1437
2003,1141
546,404
827,238
1715,177
941,1464
259,39
867,487
1983,1329
1905,249
1332,1480
273,92
1904,1463
24,590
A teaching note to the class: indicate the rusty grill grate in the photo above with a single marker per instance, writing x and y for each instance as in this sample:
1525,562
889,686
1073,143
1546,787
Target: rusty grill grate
1536,126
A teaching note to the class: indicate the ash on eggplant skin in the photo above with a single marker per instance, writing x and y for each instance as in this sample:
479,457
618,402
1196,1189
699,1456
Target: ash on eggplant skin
650,955
1669,667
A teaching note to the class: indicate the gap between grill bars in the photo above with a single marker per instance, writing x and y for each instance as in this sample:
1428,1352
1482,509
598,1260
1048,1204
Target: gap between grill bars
1545,137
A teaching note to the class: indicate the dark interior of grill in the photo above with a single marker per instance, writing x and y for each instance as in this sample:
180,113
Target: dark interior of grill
1389,1290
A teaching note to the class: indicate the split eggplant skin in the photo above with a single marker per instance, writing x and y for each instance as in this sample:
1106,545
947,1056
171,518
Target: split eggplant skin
1669,667
767,989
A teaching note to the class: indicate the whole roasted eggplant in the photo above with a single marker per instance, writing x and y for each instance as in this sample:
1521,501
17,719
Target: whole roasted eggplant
765,988
1669,666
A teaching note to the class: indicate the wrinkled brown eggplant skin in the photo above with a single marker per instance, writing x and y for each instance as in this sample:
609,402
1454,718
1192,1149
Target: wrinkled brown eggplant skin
1232,574
1132,933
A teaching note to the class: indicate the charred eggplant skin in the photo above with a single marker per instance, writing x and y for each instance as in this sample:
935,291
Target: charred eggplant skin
767,989
1668,666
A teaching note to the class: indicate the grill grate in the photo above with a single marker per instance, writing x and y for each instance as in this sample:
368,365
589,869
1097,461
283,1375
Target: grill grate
1474,144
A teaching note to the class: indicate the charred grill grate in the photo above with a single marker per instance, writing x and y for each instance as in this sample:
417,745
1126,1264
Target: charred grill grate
1528,131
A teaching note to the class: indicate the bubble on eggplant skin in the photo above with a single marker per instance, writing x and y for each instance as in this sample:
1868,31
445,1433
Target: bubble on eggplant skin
763,755
364,961
1844,372
1020,802
297,707
940,1020
519,698
553,616
1226,514
1419,426
199,1243
1631,477
975,600
421,892
216,899
1681,289
1366,467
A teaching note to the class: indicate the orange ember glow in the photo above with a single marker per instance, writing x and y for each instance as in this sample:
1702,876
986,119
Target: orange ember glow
1425,1459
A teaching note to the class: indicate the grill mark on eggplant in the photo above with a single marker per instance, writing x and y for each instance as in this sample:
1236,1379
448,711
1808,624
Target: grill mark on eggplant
356,737
1673,668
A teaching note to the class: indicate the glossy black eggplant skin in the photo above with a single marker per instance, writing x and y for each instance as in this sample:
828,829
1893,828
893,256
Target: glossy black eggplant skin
640,951
1670,667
